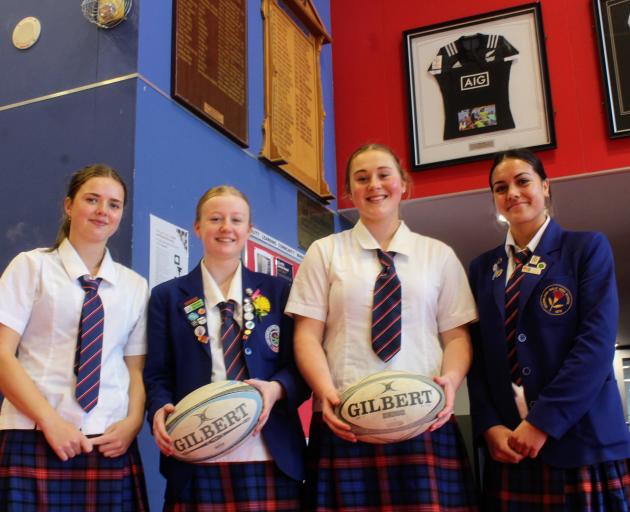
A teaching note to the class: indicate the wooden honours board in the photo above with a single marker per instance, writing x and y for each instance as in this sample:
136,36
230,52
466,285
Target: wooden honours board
210,62
294,115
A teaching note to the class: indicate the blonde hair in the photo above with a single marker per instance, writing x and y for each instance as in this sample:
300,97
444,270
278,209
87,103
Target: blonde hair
221,190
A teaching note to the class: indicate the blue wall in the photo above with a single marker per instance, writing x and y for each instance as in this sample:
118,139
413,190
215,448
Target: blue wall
44,139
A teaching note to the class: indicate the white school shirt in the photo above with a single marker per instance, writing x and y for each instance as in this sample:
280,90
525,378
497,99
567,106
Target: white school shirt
335,285
41,299
510,248
254,448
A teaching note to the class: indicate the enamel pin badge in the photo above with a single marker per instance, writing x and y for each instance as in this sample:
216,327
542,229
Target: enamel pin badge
196,315
535,266
496,269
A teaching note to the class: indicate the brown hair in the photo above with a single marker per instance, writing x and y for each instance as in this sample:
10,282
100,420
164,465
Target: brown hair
221,190
376,147
527,156
78,179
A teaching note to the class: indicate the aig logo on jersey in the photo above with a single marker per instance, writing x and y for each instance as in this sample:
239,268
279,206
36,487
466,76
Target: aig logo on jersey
474,81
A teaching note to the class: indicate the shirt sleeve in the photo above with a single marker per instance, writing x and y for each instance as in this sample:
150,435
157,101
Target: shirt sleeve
19,285
506,50
456,305
439,62
309,292
137,340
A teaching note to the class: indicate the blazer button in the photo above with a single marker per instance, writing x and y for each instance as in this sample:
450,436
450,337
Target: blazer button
532,403
248,351
522,338
527,370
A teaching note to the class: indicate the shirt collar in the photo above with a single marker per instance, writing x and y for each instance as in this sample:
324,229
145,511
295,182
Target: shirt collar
533,243
400,243
75,267
213,293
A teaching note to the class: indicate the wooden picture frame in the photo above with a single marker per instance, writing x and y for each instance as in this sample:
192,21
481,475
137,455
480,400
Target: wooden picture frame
209,64
612,24
478,85
294,113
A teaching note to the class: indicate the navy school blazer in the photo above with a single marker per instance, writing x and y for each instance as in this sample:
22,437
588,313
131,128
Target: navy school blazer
565,340
177,363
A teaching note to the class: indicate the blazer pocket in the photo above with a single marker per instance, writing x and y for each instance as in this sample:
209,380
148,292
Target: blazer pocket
270,338
593,429
556,299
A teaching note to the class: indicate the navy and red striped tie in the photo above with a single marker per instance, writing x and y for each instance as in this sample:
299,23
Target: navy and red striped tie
235,368
89,345
386,309
512,294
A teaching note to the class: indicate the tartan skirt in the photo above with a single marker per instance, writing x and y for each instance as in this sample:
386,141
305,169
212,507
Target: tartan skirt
236,487
430,472
34,479
534,485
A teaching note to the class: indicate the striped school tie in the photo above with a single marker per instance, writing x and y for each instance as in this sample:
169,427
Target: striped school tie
89,345
235,368
512,293
386,309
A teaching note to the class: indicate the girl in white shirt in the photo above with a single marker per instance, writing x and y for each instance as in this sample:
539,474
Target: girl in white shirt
61,446
331,300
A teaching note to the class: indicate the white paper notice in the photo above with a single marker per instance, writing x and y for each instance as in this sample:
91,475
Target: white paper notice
168,247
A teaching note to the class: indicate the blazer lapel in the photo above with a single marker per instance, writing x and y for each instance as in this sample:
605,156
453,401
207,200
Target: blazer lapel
250,279
251,282
251,288
498,270
544,257
191,288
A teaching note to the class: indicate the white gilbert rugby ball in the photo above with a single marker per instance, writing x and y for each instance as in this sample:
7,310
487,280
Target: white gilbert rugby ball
213,420
390,406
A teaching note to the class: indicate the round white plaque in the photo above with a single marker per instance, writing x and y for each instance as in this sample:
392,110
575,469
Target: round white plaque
26,33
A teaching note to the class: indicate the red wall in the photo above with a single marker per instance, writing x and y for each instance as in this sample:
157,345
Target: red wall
371,96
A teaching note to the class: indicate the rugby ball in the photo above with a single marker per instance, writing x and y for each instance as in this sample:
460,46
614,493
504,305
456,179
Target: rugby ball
213,419
390,406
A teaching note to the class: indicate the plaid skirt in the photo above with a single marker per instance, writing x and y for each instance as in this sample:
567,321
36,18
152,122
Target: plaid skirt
430,472
34,479
534,485
236,487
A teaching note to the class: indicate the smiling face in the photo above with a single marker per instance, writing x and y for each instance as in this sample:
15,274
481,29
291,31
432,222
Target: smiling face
95,211
223,226
376,186
519,194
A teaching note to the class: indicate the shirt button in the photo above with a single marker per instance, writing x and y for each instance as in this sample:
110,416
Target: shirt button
527,370
522,338
248,351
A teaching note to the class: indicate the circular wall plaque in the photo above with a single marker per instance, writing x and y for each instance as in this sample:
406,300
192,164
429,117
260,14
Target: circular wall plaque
26,33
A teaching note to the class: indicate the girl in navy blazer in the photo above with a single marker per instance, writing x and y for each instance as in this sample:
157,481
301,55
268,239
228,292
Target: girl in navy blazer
185,352
542,389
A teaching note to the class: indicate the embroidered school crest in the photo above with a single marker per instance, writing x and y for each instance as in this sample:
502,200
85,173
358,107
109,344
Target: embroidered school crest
272,337
556,300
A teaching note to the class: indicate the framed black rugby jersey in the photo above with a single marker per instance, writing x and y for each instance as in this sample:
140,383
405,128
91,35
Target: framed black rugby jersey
473,73
478,85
